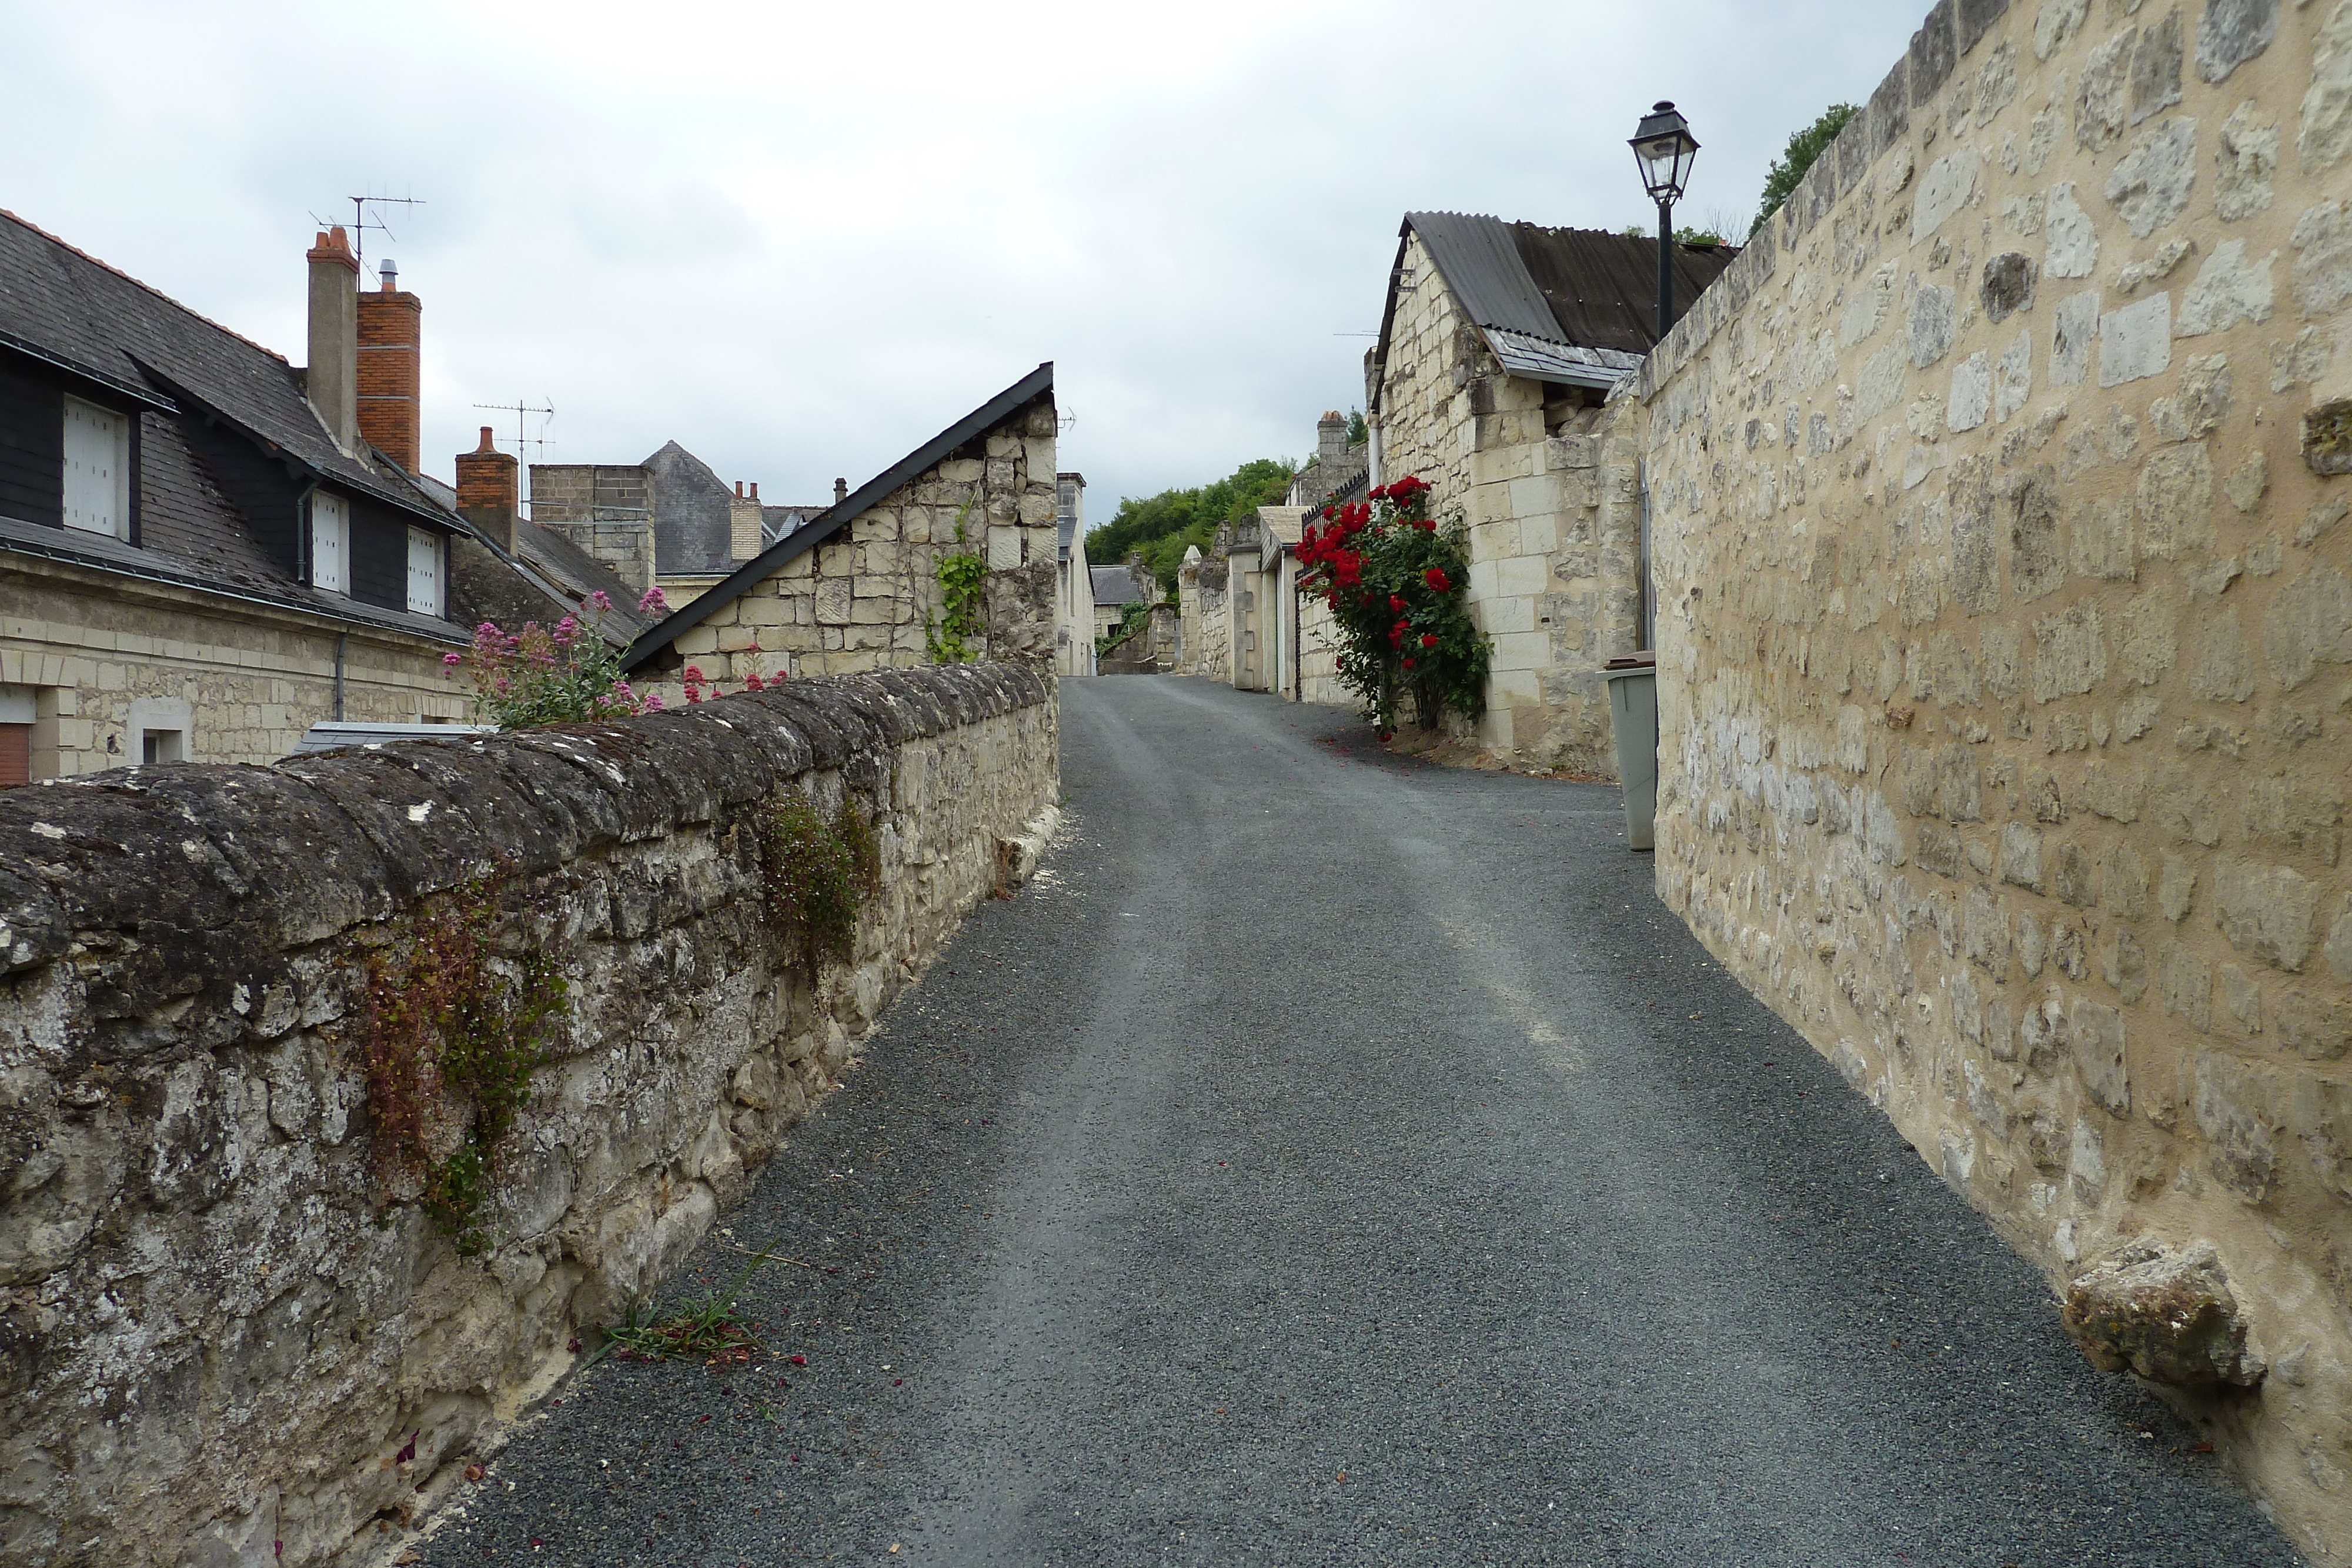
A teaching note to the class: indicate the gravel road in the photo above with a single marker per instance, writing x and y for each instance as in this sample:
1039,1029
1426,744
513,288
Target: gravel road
1334,1159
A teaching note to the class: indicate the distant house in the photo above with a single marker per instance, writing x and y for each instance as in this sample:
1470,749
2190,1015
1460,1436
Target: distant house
204,550
1337,472
1074,592
1114,588
858,587
1498,344
669,519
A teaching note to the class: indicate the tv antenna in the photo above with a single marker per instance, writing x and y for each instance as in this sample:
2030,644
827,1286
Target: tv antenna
520,410
1065,423
362,223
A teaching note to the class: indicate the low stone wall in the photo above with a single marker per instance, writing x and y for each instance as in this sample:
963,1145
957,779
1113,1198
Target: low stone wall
2004,604
224,1342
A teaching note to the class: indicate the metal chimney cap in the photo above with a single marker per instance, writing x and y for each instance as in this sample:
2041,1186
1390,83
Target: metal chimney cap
391,271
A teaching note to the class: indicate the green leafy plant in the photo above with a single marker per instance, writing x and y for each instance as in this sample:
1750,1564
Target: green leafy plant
704,1329
963,594
1788,170
815,875
1160,528
1398,586
568,673
449,1038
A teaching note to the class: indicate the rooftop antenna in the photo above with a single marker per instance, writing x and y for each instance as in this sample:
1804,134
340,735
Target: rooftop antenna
1065,423
360,225
521,410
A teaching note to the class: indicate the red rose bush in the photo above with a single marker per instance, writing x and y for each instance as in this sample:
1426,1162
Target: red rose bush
1395,582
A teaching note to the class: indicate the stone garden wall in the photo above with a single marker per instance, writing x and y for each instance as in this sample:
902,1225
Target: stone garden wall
2005,649
226,1326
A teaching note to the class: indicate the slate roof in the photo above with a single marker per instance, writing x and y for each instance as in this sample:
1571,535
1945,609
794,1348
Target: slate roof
70,310
694,530
1570,306
1113,585
1037,383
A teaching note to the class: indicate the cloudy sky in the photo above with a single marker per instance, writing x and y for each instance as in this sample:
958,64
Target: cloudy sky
801,238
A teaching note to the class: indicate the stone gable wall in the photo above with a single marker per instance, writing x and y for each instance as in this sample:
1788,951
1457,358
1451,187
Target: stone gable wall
218,1332
859,601
1555,539
2005,648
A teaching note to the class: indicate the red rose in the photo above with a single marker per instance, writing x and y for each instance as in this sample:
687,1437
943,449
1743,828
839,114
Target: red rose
1396,605
1428,640
1436,578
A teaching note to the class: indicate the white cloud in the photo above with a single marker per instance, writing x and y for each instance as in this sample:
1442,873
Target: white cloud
801,238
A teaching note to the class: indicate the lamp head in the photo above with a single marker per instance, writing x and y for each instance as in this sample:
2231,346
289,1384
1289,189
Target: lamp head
1664,148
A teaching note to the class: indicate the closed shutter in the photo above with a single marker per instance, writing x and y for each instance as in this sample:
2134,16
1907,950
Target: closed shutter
16,754
97,489
331,537
424,572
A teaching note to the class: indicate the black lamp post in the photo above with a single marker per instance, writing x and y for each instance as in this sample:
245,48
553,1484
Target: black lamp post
1664,148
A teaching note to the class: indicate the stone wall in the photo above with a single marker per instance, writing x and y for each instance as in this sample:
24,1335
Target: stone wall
859,601
222,1334
250,678
1206,640
1554,545
2005,648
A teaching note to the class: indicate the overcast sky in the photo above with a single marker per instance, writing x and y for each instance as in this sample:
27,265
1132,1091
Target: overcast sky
800,239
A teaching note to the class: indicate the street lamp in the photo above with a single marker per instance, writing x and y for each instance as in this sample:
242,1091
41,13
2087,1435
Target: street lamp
1665,148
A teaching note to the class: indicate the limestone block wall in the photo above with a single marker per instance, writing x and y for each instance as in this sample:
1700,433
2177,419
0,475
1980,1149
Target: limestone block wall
858,600
1202,599
253,679
1319,656
2005,647
222,1327
1555,539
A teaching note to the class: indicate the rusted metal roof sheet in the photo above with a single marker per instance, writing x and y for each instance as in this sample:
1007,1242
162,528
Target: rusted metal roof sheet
1574,305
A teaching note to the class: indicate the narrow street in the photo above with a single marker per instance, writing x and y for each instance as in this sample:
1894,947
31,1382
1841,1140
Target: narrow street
1335,1159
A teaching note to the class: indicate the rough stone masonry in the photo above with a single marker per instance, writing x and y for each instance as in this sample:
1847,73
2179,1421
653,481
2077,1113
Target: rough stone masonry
220,1341
2005,666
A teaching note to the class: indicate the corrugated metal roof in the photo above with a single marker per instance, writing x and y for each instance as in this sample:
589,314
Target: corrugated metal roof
1574,305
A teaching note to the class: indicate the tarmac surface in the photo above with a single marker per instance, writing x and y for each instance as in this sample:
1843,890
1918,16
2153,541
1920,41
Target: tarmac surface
1334,1159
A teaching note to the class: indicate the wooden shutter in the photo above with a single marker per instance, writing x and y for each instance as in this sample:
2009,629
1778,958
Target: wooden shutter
16,754
424,572
97,489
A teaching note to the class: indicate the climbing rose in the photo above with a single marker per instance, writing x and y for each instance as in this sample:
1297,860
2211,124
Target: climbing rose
1428,640
1396,605
1436,578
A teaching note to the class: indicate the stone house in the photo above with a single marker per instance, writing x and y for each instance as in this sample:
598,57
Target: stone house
205,549
1074,586
2003,582
858,587
1114,587
669,519
1497,343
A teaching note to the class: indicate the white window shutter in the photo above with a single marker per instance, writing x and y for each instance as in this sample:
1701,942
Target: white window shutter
424,572
331,540
97,469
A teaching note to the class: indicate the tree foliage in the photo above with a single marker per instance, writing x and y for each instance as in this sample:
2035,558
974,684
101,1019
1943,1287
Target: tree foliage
1788,170
1684,236
1161,526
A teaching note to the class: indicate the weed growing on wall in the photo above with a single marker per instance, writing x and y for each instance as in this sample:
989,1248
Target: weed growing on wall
449,1038
815,874
1398,587
964,610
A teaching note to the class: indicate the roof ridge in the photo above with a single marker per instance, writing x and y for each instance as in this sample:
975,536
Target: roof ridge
103,266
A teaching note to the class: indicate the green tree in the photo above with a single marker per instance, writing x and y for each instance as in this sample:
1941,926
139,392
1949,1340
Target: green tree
1788,170
1682,235
1160,528
1358,432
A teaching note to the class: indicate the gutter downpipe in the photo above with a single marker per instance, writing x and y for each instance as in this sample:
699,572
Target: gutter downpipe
342,641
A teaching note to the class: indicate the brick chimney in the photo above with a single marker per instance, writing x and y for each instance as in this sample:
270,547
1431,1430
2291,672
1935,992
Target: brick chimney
486,492
331,380
1331,437
389,325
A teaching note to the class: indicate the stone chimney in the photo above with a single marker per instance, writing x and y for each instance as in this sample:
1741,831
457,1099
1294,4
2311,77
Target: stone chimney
333,378
486,492
840,491
389,328
1332,438
743,523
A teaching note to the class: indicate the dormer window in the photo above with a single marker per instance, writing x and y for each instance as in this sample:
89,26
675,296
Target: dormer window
97,469
330,542
424,572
